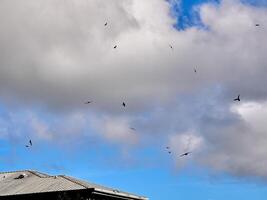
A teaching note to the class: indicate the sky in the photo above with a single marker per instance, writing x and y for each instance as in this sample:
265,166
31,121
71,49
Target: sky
57,54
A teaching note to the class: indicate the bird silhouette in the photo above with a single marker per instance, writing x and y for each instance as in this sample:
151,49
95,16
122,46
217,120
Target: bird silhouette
195,70
185,154
88,102
132,128
167,147
257,24
124,104
106,24
115,47
238,98
29,145
169,152
171,46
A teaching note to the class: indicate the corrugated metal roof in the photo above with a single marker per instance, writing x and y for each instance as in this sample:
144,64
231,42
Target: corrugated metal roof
36,182
104,189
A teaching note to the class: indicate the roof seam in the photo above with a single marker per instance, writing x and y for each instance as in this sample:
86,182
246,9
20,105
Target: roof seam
36,174
73,181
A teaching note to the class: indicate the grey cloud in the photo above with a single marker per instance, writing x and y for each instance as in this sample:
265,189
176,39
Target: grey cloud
58,59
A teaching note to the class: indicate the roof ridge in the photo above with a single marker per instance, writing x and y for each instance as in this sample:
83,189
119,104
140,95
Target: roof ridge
9,172
73,180
34,172
39,174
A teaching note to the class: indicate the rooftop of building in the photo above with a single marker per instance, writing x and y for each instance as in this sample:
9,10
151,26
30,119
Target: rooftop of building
30,182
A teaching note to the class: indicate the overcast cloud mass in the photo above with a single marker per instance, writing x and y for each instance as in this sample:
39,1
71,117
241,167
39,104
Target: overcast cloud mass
57,54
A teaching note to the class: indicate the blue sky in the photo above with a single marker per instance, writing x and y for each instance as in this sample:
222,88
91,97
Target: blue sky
187,15
167,103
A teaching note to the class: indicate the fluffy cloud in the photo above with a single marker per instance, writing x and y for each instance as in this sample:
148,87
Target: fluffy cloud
185,142
240,148
57,54
116,130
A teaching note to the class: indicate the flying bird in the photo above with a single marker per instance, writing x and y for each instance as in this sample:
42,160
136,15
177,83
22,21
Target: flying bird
257,24
132,128
29,145
167,147
88,102
123,104
106,24
185,154
171,46
238,98
115,47
195,70
169,152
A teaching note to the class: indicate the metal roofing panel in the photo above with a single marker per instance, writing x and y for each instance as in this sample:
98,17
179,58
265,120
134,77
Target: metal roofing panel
33,184
36,182
103,188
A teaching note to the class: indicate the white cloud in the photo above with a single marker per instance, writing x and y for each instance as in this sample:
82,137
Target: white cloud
185,142
40,129
240,148
254,114
117,130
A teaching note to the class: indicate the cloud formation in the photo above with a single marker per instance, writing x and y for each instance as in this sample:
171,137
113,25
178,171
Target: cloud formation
240,148
57,54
